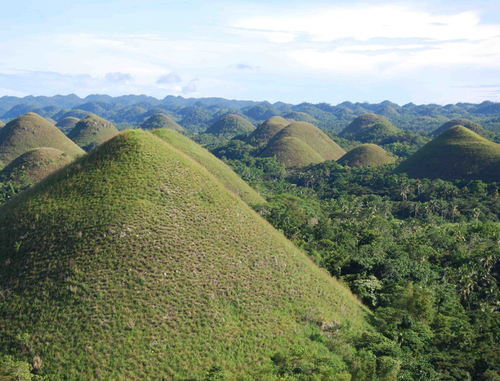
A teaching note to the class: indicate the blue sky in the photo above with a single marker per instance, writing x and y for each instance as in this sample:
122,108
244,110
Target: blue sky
422,52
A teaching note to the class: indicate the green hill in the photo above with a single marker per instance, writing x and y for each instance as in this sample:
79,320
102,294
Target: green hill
267,130
369,128
136,263
292,152
458,153
217,167
297,116
476,127
67,124
160,121
366,155
31,131
311,135
34,165
92,131
230,125
51,121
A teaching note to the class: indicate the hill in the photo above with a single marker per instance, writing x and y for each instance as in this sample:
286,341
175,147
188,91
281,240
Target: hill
31,131
34,165
67,124
230,125
476,127
297,116
160,121
312,136
458,153
136,263
369,128
267,130
92,131
366,155
217,167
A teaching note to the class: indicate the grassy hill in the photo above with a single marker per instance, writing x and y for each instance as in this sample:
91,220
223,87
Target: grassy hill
297,116
366,155
458,153
217,167
160,121
230,125
369,128
312,136
31,131
292,152
267,130
92,131
136,263
476,127
67,124
34,165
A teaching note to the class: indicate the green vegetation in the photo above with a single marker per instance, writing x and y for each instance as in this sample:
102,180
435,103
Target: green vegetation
92,131
475,127
366,155
220,170
134,262
67,124
31,131
229,126
267,130
297,116
160,121
292,152
369,128
458,153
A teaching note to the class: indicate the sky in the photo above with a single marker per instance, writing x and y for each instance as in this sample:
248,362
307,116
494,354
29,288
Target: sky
290,51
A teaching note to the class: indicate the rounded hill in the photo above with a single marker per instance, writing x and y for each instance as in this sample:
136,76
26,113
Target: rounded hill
31,131
366,155
217,167
34,165
92,131
67,124
151,268
369,128
475,127
292,152
458,153
297,116
230,125
267,130
160,121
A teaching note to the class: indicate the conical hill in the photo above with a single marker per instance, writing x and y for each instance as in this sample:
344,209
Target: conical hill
31,131
92,131
473,126
293,152
217,167
369,128
267,130
230,125
366,155
67,124
136,263
34,165
161,121
312,136
458,153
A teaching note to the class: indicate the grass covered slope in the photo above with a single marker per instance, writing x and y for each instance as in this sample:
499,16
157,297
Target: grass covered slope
366,155
217,167
458,153
2,124
136,263
35,165
92,131
292,152
67,124
230,125
476,127
369,128
161,121
31,131
267,130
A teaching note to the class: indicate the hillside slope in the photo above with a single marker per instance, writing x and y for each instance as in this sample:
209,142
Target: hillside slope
476,127
92,131
458,153
267,130
67,124
230,125
217,167
136,263
31,131
366,155
161,121
369,128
